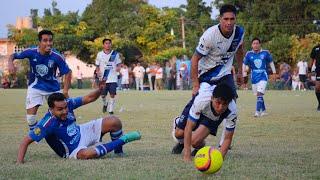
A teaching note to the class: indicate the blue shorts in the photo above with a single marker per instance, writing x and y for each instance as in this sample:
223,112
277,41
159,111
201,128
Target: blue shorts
111,88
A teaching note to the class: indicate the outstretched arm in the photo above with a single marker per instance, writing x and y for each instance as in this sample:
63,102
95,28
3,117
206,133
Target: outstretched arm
10,65
239,58
94,95
226,142
67,82
187,140
23,149
194,73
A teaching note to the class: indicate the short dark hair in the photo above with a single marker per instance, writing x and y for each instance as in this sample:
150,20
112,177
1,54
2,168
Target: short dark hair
228,8
223,91
55,97
106,39
256,38
47,32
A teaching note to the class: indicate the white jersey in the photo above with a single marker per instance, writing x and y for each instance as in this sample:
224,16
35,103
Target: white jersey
202,106
217,52
302,66
108,64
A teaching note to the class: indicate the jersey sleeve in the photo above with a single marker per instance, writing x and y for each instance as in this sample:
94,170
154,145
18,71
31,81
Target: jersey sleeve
195,110
43,128
231,119
74,103
205,44
62,65
24,54
269,57
98,60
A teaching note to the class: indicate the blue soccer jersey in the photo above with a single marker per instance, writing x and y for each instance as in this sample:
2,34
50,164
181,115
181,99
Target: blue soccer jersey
67,131
43,68
258,62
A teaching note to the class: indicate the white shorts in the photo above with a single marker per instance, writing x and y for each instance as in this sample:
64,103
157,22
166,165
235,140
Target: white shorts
90,135
259,87
205,90
36,97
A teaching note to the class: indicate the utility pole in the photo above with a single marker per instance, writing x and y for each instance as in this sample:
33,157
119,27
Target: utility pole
183,33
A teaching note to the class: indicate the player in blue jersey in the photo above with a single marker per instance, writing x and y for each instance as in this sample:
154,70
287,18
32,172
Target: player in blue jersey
212,61
42,77
315,60
258,60
204,118
108,63
79,141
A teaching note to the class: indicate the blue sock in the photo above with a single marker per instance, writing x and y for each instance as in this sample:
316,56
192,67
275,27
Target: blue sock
114,136
31,127
259,104
103,149
263,108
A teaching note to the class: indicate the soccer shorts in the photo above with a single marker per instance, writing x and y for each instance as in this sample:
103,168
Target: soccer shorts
259,87
90,135
318,74
111,88
36,97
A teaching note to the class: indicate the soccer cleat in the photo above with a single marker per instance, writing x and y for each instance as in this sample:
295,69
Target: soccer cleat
104,108
263,113
256,114
318,109
194,152
131,136
111,113
177,149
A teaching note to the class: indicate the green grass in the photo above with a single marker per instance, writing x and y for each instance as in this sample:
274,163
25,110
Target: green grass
283,145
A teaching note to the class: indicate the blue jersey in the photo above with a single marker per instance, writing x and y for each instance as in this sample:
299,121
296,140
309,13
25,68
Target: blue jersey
258,62
66,131
43,69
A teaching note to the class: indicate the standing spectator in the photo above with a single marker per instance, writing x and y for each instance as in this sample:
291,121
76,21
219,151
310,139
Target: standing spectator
149,74
153,74
159,77
108,63
138,72
125,77
303,69
79,78
1,74
95,82
184,76
295,80
245,78
167,70
172,78
315,60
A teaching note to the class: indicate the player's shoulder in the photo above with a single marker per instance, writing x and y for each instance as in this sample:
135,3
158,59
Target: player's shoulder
232,107
265,51
250,52
47,121
57,55
202,101
211,32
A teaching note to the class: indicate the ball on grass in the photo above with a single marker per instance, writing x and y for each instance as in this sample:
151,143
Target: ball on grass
208,160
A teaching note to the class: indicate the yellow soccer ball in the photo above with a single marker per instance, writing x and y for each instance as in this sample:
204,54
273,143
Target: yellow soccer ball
208,160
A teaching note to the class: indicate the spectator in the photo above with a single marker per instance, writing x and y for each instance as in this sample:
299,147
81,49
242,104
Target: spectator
149,74
167,75
159,77
79,78
295,80
138,72
303,70
285,78
125,77
172,78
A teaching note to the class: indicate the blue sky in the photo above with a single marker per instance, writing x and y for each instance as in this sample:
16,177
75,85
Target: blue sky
11,9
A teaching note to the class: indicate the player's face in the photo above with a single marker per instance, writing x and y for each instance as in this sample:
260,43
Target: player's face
256,46
107,45
227,21
46,43
219,105
60,110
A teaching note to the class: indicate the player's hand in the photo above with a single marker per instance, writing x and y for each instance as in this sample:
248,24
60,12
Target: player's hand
102,85
195,88
187,156
65,93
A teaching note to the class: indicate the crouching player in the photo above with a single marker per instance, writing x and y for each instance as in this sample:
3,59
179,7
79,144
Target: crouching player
205,116
60,122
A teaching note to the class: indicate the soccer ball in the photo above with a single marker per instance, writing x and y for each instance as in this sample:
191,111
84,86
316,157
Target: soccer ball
208,160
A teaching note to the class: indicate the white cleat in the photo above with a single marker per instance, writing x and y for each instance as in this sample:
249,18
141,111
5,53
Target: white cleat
263,113
256,114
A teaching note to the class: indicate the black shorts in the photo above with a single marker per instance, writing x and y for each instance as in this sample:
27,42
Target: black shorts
303,78
111,88
317,73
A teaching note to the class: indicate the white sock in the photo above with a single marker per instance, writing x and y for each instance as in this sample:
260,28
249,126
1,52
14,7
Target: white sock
104,101
111,104
31,119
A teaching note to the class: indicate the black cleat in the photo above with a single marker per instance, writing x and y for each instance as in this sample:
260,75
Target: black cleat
104,109
111,113
318,109
194,152
177,149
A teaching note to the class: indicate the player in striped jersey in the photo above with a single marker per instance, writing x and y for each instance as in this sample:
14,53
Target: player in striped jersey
42,77
212,61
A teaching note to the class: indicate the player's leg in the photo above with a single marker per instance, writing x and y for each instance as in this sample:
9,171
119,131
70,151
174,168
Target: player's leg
261,91
198,137
112,92
317,87
104,93
113,125
255,92
34,99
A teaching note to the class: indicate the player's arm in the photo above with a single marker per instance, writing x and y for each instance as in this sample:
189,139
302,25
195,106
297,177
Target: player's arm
194,72
187,140
67,83
23,149
11,68
94,95
226,142
239,58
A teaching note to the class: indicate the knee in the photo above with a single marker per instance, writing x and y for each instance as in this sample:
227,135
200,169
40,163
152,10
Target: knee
197,142
113,122
179,133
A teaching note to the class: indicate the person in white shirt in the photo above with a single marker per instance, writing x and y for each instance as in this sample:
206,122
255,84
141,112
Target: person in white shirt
148,71
138,72
159,76
124,71
107,65
295,80
303,69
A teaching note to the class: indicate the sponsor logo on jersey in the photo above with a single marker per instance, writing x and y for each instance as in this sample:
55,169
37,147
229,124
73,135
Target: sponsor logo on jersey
42,69
37,131
257,63
72,129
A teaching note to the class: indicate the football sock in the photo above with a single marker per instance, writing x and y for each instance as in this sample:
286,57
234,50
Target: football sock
263,105
318,97
259,103
114,136
103,149
111,104
104,101
32,122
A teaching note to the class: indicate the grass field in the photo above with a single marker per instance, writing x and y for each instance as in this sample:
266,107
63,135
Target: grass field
283,145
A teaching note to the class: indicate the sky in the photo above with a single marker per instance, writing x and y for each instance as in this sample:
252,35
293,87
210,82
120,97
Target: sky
11,9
